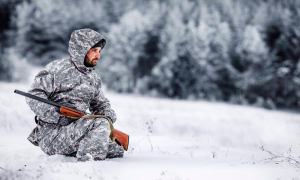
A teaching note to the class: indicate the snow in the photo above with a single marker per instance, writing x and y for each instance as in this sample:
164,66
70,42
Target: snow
169,140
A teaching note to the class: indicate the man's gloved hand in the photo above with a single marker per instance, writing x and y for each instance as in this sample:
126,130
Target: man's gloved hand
64,121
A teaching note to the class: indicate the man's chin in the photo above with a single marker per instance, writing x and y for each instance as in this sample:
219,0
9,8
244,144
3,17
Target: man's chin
94,64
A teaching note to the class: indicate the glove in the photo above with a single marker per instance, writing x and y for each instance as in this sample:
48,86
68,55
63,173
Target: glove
64,121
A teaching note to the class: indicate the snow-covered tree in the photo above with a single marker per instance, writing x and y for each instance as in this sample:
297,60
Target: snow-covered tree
7,9
282,35
132,49
195,52
124,47
44,26
176,74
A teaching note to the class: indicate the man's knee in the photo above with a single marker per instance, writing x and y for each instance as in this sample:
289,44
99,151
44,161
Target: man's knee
101,127
101,123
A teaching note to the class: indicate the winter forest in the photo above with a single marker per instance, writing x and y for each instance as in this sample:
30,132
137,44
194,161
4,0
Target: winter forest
237,51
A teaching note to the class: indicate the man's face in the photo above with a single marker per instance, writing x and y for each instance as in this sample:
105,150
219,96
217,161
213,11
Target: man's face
92,57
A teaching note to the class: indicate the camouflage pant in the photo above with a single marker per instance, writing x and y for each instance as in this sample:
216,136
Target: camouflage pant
86,138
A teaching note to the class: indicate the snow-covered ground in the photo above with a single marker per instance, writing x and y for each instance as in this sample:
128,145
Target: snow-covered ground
169,139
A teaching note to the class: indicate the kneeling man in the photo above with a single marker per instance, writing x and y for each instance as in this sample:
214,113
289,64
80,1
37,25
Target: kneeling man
73,83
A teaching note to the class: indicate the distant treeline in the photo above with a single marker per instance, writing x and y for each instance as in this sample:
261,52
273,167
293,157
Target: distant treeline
239,51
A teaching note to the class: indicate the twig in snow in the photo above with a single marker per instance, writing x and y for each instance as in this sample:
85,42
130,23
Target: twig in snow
253,158
214,154
227,151
161,150
2,168
279,158
150,143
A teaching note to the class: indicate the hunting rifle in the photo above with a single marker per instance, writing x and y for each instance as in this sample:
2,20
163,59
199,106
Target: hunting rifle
115,135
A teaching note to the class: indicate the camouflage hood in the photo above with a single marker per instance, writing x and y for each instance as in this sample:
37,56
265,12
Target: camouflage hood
80,43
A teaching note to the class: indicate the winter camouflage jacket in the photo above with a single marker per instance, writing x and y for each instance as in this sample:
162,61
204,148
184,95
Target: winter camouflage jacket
70,83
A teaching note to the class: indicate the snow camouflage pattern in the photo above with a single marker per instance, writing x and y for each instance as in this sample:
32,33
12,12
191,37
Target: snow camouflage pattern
70,83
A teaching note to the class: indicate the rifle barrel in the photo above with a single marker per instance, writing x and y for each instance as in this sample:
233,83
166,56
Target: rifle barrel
41,99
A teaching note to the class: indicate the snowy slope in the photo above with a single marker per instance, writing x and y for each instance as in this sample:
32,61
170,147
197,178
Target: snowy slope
169,139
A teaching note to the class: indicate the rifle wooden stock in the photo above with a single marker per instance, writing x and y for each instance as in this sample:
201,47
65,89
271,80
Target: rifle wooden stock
121,138
70,112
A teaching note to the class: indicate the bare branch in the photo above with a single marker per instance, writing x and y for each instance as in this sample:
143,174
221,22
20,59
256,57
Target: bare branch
281,157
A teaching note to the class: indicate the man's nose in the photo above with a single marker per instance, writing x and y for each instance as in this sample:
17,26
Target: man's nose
97,55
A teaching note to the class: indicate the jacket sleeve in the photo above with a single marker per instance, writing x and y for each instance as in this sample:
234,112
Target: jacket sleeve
100,106
43,88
